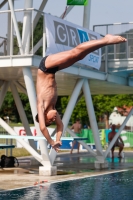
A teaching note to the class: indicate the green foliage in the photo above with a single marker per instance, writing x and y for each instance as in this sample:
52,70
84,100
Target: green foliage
9,108
79,111
27,109
15,42
38,34
123,99
103,105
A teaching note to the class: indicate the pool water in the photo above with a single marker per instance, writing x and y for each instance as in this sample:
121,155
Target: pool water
114,186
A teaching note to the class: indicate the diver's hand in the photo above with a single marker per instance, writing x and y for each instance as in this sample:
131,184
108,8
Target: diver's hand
56,145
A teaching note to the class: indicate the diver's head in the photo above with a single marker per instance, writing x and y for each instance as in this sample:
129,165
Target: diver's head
49,116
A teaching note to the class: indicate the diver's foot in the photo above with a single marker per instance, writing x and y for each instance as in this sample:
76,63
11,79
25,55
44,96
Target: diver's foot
114,39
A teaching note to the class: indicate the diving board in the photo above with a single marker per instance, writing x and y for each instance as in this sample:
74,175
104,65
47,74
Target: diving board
6,146
39,137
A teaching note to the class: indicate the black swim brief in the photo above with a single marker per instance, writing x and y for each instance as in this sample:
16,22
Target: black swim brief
44,69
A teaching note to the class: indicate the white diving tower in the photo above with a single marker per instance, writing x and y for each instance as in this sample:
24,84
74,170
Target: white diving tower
18,74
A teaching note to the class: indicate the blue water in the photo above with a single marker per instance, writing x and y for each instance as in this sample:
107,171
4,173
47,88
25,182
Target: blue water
116,186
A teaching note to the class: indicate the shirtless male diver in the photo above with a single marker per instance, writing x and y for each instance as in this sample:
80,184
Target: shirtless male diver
46,85
119,142
76,127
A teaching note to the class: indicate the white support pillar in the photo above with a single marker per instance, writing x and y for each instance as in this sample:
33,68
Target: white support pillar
118,133
72,102
44,38
86,16
22,114
3,92
37,46
92,117
27,26
9,35
100,163
10,31
29,80
21,141
79,97
23,90
32,99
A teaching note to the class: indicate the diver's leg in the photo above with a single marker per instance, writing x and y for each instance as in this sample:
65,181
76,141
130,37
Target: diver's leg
68,58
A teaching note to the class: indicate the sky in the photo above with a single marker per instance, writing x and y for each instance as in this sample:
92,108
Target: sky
102,11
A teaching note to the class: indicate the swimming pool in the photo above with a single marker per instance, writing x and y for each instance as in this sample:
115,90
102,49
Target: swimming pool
114,186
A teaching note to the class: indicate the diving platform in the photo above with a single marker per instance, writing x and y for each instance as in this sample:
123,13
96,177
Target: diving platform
118,80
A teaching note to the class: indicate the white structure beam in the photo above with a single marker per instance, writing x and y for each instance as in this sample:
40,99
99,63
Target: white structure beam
29,80
92,117
9,35
3,3
71,103
22,142
22,114
86,16
37,46
3,92
27,26
32,99
68,112
23,90
79,97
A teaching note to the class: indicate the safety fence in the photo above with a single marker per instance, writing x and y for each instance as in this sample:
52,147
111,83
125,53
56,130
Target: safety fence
119,51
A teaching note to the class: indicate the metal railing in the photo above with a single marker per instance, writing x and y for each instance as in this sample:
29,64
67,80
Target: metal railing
9,45
119,51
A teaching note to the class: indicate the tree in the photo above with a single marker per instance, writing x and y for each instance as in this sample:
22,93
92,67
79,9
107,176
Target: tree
9,108
15,42
79,111
38,34
103,106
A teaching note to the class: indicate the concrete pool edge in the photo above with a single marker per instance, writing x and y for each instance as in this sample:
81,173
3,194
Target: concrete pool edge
67,179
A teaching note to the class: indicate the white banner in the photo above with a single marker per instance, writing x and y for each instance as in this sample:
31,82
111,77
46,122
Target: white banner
63,35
